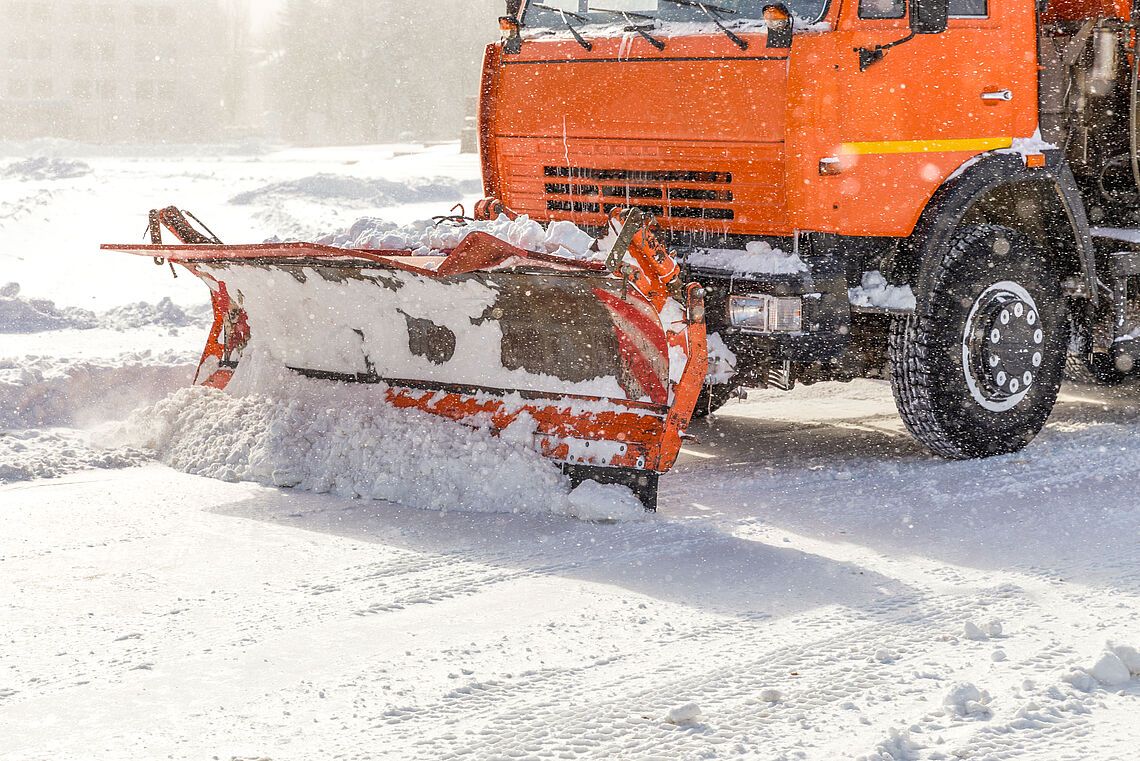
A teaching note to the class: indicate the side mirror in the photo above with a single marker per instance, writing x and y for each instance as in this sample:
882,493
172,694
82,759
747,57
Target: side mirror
929,16
513,7
779,21
926,17
511,34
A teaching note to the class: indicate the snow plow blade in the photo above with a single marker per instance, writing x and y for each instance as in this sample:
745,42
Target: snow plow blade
596,366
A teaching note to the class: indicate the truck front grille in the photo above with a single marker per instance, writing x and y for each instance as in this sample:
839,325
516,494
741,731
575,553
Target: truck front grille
675,194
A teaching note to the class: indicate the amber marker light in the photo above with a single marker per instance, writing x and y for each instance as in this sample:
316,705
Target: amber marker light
776,15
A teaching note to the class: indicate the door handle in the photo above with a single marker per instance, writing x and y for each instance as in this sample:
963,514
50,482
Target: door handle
997,95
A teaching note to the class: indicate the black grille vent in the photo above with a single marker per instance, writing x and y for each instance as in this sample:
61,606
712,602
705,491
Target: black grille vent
675,194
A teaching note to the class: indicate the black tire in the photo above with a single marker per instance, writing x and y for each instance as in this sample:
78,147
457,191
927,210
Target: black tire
949,382
711,399
1096,370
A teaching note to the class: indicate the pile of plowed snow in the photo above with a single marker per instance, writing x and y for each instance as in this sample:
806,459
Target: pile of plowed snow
31,454
19,314
38,391
426,238
44,168
344,439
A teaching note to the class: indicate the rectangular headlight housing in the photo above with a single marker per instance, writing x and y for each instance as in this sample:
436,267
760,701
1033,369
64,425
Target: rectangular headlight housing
766,314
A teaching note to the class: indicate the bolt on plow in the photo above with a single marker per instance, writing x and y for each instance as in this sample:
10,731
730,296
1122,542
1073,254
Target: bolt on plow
598,363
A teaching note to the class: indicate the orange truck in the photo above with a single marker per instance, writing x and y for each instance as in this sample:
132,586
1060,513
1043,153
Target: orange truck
937,192
779,194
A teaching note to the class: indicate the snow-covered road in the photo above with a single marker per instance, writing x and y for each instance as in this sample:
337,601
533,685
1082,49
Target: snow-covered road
814,586
810,584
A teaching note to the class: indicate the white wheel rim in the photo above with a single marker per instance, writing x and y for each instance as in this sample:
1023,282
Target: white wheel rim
1013,388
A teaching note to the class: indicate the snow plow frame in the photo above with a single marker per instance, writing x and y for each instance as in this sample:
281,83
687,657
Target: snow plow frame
609,440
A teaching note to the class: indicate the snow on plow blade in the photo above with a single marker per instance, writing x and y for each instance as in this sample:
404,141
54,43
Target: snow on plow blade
572,357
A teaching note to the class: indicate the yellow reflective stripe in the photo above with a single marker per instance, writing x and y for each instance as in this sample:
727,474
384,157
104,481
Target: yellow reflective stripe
926,146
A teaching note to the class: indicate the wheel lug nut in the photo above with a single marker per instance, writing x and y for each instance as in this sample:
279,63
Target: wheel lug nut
994,360
1004,317
1000,377
995,336
1037,359
1031,318
1018,309
1013,386
1038,336
1027,378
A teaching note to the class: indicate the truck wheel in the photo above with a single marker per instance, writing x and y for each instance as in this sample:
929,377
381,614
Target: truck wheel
711,399
976,369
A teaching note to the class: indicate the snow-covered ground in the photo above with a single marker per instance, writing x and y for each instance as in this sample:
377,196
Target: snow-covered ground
813,587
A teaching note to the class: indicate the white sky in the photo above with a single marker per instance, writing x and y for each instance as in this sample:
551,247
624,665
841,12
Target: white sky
263,13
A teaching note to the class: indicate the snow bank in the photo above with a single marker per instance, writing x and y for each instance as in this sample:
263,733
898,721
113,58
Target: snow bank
164,314
30,454
44,168
37,391
360,190
757,258
21,315
341,439
24,315
876,292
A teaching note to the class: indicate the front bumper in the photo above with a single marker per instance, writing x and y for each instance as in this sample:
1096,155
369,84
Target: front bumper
826,321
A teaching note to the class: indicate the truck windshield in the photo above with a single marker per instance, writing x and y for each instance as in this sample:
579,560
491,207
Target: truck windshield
545,13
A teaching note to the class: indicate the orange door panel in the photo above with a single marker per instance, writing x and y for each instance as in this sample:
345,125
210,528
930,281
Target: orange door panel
907,122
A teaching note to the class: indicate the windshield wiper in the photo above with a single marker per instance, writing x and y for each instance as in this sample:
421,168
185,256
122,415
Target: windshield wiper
627,15
713,12
581,40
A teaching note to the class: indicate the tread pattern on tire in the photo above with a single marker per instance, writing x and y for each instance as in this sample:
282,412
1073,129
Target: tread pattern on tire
1077,370
910,382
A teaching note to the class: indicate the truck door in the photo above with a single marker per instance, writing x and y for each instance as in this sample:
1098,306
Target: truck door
907,121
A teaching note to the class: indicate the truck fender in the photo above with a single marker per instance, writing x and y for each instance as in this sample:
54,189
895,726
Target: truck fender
998,188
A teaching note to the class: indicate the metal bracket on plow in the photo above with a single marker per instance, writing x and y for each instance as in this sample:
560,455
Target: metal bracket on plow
634,220
174,220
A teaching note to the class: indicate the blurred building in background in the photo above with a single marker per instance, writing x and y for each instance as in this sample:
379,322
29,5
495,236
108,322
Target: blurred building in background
97,70
306,71
378,70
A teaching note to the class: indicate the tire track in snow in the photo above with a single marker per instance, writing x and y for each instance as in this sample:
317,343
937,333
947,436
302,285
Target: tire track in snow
638,688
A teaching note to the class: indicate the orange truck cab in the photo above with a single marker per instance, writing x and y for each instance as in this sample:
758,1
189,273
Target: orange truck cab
938,192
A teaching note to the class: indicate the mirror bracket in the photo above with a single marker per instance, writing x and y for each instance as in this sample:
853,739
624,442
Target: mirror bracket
870,56
512,34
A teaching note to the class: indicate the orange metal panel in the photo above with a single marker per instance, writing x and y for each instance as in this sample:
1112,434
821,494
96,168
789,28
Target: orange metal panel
922,93
765,118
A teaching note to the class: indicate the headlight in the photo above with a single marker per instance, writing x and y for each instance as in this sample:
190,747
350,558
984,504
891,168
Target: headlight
766,314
